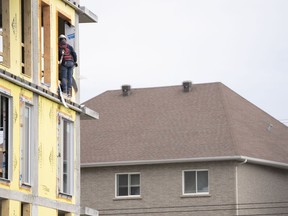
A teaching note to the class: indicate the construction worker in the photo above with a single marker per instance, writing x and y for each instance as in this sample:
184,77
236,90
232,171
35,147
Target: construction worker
67,62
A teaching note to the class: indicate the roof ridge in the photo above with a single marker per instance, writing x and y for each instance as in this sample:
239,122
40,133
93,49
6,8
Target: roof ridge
157,87
228,117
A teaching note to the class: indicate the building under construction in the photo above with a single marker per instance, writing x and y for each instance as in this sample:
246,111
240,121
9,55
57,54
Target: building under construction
39,129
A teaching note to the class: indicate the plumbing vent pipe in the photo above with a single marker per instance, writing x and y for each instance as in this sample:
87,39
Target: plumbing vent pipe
187,86
126,90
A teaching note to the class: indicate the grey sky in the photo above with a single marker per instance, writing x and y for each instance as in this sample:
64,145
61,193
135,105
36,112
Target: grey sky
148,43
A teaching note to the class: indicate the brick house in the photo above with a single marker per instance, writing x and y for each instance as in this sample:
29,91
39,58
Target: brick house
183,150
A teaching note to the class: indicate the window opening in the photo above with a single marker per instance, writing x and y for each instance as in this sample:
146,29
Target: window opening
4,207
26,145
1,31
25,209
64,27
4,33
4,137
63,213
26,36
66,152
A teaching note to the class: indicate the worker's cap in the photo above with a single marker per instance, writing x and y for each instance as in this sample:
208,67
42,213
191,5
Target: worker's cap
62,37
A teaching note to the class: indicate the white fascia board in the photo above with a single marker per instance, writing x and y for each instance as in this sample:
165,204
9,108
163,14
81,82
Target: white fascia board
165,161
85,211
242,159
88,114
85,15
265,162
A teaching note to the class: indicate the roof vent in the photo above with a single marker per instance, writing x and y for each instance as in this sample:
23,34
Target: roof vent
187,86
126,90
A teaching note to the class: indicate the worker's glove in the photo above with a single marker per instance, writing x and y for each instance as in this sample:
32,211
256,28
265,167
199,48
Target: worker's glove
76,65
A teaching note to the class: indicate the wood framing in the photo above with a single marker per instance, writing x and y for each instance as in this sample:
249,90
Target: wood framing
26,209
45,43
5,33
26,37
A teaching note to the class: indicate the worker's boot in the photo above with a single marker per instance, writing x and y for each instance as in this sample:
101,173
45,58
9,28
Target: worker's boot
69,92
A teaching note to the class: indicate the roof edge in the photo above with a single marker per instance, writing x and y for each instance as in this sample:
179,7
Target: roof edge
88,114
165,161
265,162
243,159
85,211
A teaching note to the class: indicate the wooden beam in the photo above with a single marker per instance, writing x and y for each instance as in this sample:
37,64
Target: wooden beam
47,44
6,32
28,37
5,207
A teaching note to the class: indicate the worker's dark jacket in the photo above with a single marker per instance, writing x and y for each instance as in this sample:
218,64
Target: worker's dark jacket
67,51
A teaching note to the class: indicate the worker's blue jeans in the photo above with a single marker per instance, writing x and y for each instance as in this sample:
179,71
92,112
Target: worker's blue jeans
66,70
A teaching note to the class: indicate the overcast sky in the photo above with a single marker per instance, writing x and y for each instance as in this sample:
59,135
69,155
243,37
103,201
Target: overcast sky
149,43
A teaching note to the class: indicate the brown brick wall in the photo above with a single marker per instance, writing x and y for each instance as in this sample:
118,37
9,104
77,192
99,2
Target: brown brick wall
262,190
161,190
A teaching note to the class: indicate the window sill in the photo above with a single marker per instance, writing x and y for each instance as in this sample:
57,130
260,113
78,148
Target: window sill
195,195
47,85
4,181
127,198
65,196
26,186
26,75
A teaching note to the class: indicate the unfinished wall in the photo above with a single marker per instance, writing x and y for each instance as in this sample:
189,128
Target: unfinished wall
23,63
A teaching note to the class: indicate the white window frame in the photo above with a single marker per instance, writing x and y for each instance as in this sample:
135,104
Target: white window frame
196,186
10,131
70,150
129,184
26,148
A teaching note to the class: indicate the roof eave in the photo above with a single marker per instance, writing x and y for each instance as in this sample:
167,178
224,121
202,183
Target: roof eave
165,161
88,114
243,159
85,211
264,162
85,15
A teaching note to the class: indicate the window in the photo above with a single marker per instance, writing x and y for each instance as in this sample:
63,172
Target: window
66,156
127,185
64,213
4,136
26,36
195,182
4,32
26,145
4,207
25,209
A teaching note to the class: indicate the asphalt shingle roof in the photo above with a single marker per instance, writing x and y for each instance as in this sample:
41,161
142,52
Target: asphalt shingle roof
166,123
